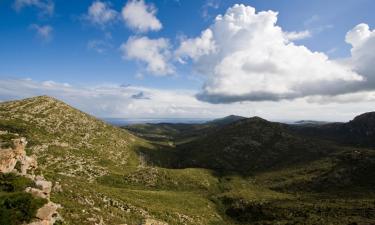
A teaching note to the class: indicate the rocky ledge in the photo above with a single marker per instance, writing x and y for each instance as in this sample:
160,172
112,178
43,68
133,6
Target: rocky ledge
13,159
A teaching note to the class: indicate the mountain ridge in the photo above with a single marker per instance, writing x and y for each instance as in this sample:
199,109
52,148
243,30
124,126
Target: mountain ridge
256,142
247,171
359,132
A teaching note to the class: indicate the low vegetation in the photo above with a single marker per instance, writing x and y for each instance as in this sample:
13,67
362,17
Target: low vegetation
232,171
16,206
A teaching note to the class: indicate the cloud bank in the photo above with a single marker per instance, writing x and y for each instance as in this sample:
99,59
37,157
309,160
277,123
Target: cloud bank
124,101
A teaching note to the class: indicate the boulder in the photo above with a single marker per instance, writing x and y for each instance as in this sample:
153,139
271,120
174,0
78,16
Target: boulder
19,146
48,211
45,186
28,163
37,193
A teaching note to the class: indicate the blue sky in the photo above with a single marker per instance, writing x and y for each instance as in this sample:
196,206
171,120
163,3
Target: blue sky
61,44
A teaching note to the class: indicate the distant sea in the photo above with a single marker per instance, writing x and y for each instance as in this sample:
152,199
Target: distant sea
123,122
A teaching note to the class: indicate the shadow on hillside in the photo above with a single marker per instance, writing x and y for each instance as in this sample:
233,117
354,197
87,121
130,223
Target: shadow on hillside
160,155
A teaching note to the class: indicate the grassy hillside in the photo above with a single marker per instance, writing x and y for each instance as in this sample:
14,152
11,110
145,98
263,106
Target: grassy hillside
266,174
87,157
242,172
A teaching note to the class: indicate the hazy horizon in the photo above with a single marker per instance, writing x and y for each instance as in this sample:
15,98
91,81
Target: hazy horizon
282,61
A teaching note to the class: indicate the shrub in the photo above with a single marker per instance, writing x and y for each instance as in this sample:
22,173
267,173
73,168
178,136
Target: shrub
11,182
18,208
6,140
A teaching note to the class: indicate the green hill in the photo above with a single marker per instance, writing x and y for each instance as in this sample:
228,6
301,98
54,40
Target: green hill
98,167
226,120
241,171
359,132
251,145
179,132
268,174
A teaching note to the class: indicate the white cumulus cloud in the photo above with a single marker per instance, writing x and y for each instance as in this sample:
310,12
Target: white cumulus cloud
155,53
100,13
197,47
141,16
362,58
255,60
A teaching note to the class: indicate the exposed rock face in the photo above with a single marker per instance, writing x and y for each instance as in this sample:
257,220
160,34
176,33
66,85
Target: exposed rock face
47,215
28,163
37,193
9,157
8,160
45,186
48,211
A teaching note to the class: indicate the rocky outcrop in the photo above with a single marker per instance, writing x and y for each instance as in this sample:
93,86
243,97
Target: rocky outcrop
37,193
48,212
28,163
10,156
45,186
15,155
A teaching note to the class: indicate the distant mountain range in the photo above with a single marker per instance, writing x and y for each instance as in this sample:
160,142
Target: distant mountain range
126,122
358,132
228,171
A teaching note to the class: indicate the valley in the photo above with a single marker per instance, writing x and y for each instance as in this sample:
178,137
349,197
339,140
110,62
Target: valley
233,170
178,112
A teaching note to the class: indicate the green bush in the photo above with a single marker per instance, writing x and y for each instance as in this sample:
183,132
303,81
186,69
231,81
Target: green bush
11,183
18,208
12,126
6,140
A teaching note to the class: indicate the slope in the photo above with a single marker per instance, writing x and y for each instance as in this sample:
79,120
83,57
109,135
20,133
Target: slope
98,176
358,132
250,145
262,173
265,174
179,132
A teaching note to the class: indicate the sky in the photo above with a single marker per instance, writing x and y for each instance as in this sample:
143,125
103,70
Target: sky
281,60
